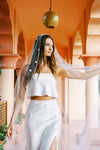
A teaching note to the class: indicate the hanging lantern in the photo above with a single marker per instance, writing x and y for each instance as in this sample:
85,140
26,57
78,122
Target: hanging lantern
50,18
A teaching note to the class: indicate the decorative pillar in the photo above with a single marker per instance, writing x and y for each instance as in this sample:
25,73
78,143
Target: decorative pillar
91,93
8,64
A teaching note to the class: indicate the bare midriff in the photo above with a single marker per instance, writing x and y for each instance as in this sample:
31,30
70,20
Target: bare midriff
46,97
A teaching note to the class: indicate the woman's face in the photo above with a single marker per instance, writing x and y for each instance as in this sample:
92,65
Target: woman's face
48,48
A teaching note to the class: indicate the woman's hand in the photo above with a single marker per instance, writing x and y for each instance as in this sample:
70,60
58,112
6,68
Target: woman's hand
10,130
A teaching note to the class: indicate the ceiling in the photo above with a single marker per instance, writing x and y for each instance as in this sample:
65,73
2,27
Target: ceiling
30,13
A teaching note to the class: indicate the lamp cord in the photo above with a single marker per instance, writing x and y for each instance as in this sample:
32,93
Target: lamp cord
50,5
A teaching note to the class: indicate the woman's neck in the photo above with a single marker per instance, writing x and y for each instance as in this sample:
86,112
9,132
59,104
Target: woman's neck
43,65
45,61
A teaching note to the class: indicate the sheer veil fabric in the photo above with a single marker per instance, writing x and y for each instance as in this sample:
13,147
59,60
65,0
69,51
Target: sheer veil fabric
18,141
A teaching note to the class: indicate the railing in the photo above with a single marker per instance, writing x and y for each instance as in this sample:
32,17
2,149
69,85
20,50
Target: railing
3,112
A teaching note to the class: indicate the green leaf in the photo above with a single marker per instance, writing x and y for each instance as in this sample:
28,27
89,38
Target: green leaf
2,146
4,142
3,132
19,118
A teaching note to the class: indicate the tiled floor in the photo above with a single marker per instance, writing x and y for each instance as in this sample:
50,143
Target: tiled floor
72,135
75,140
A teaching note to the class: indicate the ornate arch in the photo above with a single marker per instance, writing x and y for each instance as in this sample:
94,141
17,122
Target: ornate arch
6,38
77,50
93,32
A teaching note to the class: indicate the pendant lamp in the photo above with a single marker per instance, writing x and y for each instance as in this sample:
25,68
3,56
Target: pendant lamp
50,18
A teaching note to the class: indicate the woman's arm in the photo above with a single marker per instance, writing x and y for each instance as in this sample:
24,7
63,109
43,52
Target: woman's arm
20,98
79,72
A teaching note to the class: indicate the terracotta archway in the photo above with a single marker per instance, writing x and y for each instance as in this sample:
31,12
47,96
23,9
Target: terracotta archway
93,31
6,38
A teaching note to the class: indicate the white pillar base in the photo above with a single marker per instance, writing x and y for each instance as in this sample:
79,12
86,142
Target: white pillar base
77,99
92,102
7,90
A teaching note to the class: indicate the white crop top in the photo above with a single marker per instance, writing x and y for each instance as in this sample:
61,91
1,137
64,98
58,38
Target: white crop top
43,85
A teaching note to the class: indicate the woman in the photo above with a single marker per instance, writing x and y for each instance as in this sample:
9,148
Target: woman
43,119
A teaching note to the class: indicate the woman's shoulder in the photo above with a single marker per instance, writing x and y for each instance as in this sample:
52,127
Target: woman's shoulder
60,71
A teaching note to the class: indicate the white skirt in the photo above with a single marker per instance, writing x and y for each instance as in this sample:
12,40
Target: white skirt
42,124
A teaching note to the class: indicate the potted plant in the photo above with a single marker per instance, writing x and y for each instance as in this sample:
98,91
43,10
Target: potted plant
3,135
